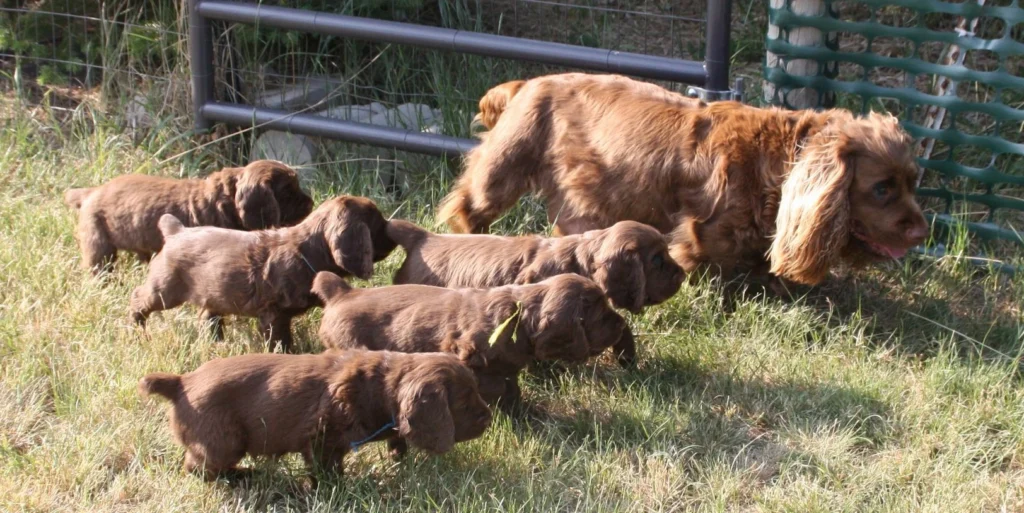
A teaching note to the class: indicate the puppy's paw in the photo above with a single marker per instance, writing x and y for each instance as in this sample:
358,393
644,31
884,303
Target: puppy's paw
397,447
138,318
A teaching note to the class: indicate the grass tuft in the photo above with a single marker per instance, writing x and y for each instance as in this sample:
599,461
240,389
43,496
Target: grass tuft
894,388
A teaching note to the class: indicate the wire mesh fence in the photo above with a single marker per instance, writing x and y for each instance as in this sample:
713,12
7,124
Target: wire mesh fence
950,71
134,53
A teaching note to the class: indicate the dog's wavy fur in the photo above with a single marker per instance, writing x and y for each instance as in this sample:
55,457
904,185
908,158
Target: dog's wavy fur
493,103
321,406
122,214
629,261
738,188
265,274
565,318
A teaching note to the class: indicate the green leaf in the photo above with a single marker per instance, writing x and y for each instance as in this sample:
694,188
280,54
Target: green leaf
501,329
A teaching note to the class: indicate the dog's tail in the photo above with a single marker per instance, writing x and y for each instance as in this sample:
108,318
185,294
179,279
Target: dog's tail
327,286
406,234
162,384
169,225
455,208
75,197
493,103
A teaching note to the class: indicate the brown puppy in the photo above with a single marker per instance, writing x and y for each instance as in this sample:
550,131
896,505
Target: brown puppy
264,274
629,261
738,188
321,406
123,213
566,318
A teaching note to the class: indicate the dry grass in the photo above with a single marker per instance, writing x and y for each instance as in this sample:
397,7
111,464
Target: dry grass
896,389
893,389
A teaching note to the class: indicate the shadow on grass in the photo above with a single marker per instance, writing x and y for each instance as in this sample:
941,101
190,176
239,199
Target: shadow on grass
915,311
710,415
919,313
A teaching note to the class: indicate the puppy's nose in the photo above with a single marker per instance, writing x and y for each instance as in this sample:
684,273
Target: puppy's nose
917,233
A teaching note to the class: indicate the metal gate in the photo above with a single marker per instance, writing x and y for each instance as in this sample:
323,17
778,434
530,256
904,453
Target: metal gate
708,79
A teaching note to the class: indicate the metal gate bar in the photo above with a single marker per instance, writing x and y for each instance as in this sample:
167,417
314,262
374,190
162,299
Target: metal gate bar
714,74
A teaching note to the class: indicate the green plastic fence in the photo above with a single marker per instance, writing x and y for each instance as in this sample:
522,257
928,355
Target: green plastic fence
954,182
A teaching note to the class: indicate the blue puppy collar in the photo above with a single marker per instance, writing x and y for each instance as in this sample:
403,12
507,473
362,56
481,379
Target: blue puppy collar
355,445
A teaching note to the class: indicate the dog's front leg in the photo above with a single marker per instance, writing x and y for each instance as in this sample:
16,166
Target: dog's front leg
214,322
277,330
397,447
625,349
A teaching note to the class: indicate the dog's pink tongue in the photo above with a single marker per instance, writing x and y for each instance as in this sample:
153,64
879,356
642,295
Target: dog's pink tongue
894,253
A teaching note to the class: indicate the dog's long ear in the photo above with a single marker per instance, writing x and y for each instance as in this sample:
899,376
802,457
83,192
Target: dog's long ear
813,223
620,273
255,201
351,245
566,342
424,418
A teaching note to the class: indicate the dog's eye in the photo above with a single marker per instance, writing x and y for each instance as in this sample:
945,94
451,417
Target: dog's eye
881,190
658,260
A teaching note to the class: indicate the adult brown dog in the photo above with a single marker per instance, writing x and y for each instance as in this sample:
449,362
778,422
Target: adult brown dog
564,318
123,213
322,406
737,187
629,261
264,274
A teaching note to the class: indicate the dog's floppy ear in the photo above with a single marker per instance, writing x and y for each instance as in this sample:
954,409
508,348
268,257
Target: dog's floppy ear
255,201
620,273
351,245
424,418
566,342
813,223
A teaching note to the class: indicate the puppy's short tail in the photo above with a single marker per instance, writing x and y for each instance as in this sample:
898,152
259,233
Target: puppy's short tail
75,197
406,234
328,286
162,384
169,225
493,103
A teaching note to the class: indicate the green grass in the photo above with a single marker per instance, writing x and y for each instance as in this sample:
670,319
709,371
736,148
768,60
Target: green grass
897,388
893,389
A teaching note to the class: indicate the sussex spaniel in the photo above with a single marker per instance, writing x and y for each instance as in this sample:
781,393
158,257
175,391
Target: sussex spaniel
122,214
264,274
496,332
322,406
629,261
738,188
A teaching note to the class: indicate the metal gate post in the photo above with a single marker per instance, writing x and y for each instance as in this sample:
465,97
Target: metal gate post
716,56
200,48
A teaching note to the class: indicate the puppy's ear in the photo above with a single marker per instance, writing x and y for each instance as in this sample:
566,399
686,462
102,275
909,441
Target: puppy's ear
620,273
255,201
424,418
566,342
351,245
813,222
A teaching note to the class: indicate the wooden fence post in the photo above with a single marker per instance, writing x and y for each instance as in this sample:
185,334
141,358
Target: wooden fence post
802,97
